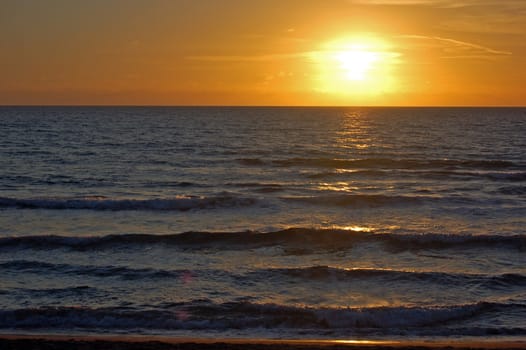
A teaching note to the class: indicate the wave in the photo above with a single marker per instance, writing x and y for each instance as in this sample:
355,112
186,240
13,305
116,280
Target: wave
307,239
511,176
122,272
387,163
360,200
259,187
421,197
224,200
206,315
370,173
328,273
499,176
251,161
61,292
512,190
169,184
306,274
57,179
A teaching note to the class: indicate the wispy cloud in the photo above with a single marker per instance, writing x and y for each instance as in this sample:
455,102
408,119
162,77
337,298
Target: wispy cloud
428,3
395,2
312,55
449,48
475,16
445,3
247,58
460,49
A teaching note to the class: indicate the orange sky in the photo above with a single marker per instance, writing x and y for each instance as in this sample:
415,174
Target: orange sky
263,52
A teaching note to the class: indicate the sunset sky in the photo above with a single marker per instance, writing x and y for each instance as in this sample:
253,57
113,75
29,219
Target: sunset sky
263,52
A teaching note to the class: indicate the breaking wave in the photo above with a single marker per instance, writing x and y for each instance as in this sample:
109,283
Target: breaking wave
206,315
309,239
330,274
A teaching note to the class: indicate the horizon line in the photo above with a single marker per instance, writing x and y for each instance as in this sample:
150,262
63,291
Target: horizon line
261,106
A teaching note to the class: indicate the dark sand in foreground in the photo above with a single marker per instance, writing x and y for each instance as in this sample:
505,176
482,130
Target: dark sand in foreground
51,342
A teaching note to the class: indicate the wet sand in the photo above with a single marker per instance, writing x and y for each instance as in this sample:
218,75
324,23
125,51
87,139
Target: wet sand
63,342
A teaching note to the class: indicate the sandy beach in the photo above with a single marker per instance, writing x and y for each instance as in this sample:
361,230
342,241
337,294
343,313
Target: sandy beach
59,342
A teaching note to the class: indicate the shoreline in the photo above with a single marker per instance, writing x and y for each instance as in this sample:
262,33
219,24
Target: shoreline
132,342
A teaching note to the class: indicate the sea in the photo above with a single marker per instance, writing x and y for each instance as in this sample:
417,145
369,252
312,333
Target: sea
264,222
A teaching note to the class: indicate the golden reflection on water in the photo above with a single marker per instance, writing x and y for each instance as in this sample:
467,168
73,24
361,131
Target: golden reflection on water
358,228
363,342
355,132
338,341
337,187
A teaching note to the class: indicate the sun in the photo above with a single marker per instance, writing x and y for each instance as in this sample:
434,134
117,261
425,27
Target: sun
357,62
355,67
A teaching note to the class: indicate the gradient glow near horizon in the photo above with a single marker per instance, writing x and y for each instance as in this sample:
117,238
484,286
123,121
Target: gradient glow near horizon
263,52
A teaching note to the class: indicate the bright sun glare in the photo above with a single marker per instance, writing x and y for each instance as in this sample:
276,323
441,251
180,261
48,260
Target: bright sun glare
357,62
357,67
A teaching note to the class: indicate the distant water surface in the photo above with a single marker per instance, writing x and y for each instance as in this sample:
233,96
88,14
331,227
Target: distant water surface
264,222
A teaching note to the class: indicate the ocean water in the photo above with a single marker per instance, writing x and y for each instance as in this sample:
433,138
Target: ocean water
331,223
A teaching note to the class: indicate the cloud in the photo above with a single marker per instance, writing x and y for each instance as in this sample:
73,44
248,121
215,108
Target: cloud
448,48
312,55
516,4
395,2
247,58
430,3
459,49
476,16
